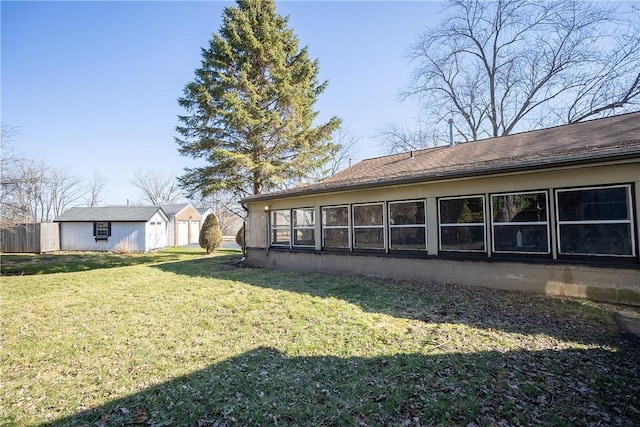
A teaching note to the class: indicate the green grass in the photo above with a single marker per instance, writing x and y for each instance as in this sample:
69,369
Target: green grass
196,341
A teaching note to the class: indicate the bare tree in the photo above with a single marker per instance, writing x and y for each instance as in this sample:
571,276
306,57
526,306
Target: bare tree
227,209
65,189
398,138
511,65
95,189
157,187
347,146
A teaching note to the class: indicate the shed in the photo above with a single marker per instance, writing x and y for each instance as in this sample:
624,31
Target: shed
113,228
184,224
552,211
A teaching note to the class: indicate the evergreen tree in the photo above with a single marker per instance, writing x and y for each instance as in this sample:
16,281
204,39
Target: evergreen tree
250,107
210,234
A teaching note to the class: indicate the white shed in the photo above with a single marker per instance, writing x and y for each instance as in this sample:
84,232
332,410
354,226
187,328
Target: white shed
113,228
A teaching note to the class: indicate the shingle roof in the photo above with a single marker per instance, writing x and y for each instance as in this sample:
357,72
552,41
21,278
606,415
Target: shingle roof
174,209
110,214
600,140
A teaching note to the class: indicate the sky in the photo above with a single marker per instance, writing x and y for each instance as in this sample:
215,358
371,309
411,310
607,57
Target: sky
93,86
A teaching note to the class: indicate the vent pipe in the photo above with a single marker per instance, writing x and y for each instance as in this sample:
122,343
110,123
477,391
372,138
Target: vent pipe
411,154
451,143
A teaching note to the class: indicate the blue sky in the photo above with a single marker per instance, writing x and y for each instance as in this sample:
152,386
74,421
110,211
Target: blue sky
93,85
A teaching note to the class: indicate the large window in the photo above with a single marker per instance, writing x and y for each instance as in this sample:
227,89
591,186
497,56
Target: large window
101,230
595,221
368,226
520,222
335,227
407,225
280,228
304,222
462,224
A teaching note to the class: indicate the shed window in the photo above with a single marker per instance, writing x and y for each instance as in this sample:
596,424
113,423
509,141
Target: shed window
595,221
407,225
462,224
368,226
101,230
520,223
335,227
280,228
304,222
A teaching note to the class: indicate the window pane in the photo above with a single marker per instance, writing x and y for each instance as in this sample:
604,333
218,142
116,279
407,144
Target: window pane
279,218
596,239
520,208
462,211
280,236
304,237
469,238
102,229
367,215
370,238
408,238
526,238
304,218
336,238
406,213
593,204
335,216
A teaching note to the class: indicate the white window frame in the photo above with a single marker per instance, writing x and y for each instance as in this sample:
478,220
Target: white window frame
294,227
392,226
523,223
102,230
629,221
337,227
468,224
273,227
360,227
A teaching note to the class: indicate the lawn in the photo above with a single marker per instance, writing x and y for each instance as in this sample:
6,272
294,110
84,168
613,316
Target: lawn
185,339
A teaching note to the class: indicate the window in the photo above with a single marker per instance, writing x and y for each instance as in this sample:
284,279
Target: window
407,225
280,228
595,221
462,224
335,227
101,230
368,226
304,222
520,222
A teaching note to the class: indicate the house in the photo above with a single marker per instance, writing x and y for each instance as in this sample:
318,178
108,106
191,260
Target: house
184,224
552,211
113,228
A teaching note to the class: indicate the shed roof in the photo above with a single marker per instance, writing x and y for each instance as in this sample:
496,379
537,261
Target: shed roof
110,214
585,142
174,209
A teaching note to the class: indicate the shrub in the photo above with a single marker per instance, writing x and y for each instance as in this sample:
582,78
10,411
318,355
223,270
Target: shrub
210,234
240,238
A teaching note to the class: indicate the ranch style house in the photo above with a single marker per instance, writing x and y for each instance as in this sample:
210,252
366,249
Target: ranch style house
551,211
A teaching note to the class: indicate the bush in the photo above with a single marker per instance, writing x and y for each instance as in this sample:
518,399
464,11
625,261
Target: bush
210,234
240,238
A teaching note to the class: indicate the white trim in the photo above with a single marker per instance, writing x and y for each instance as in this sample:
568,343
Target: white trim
423,225
629,220
515,224
311,227
336,227
470,224
279,227
363,227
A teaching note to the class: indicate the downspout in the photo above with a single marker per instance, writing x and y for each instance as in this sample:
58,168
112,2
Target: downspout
244,232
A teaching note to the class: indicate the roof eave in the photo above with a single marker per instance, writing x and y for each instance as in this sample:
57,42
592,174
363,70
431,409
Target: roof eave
532,165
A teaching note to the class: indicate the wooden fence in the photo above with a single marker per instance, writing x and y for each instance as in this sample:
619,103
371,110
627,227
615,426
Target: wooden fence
30,238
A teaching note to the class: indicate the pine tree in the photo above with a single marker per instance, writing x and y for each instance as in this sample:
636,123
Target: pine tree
210,234
250,107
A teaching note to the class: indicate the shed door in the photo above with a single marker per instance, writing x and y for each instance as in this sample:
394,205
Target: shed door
195,231
183,233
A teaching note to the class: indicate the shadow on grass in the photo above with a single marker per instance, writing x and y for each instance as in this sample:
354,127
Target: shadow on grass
63,262
513,312
266,387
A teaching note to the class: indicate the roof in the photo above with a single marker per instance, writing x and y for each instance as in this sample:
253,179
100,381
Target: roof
110,214
174,209
597,140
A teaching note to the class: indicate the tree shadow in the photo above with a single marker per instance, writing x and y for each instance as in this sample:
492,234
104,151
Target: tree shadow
509,311
267,387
